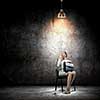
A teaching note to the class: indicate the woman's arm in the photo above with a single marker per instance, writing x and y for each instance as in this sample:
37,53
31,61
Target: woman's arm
62,65
58,62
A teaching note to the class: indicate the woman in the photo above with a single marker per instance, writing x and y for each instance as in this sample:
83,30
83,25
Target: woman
63,63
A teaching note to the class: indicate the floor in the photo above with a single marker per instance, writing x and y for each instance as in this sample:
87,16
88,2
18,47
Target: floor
48,93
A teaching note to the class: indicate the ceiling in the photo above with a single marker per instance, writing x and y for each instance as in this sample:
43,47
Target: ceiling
17,9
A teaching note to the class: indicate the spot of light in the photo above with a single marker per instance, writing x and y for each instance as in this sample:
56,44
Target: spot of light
63,26
59,36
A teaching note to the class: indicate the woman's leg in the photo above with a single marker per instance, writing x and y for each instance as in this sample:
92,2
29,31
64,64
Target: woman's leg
69,79
73,76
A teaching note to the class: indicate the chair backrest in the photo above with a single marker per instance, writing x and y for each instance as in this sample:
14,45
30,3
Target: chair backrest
58,67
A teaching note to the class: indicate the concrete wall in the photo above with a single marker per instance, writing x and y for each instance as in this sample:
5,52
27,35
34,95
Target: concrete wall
29,51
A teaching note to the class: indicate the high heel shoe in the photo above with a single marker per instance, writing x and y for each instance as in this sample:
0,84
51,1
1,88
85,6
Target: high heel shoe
67,92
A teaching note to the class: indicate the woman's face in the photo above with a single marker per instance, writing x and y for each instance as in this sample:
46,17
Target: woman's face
64,55
61,56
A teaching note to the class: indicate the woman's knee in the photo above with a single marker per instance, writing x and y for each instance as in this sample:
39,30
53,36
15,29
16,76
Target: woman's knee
69,73
74,72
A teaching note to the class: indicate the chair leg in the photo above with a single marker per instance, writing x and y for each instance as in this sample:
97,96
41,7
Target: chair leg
74,88
61,85
56,84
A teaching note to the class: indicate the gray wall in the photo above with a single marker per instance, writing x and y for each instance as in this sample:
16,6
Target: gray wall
29,57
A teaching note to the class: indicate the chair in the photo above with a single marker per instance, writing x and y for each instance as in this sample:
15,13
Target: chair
61,79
